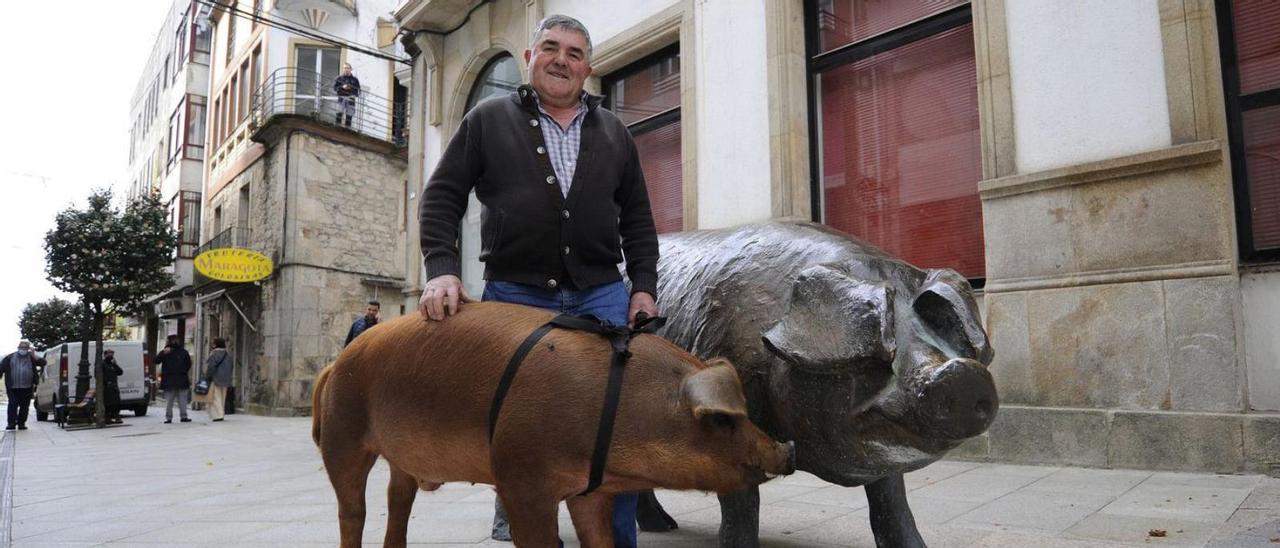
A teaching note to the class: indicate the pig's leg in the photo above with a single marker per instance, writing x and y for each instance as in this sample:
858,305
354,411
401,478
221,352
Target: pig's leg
891,519
401,491
593,519
740,519
533,517
349,473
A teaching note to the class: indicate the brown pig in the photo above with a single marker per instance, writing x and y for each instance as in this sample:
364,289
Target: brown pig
418,393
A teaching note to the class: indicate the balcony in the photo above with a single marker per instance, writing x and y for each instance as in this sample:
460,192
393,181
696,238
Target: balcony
308,94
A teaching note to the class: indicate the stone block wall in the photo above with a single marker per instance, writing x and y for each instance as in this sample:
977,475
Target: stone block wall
331,215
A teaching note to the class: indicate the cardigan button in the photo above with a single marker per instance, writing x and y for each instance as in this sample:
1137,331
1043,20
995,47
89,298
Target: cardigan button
533,122
552,283
565,214
551,179
566,250
542,150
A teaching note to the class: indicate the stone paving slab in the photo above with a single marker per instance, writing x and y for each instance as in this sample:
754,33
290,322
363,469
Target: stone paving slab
258,481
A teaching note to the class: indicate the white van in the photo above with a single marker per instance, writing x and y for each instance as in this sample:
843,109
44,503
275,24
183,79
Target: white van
58,378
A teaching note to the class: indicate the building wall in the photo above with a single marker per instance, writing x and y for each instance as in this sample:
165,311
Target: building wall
1084,69
1125,335
334,228
1260,293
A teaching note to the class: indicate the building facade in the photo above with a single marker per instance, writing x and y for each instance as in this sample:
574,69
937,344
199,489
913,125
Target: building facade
323,197
166,157
1103,172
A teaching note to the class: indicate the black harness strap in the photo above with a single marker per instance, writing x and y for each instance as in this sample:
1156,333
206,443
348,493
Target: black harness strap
620,339
510,374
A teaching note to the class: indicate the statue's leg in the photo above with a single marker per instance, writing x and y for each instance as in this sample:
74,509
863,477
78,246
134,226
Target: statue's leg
891,519
650,515
740,519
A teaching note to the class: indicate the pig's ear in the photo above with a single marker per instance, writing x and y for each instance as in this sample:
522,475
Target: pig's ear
714,394
834,321
947,307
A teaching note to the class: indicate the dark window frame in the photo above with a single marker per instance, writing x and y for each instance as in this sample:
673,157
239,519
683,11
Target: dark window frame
818,62
655,121
192,151
1236,107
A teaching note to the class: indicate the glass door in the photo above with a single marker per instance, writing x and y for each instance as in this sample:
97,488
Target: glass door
317,68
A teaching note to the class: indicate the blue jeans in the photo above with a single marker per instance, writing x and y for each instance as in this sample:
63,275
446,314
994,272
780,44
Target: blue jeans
609,302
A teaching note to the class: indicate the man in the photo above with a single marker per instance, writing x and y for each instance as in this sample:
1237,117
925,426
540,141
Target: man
556,222
347,87
175,379
218,372
369,319
19,371
111,372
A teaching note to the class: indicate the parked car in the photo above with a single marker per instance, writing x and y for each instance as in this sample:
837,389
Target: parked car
58,378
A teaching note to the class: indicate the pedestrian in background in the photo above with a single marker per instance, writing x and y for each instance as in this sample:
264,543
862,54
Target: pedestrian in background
369,319
175,378
111,372
218,373
19,371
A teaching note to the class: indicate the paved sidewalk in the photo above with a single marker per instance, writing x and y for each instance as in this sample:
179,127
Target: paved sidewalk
257,481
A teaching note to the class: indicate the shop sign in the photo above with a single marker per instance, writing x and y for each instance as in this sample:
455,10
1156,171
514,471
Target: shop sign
233,264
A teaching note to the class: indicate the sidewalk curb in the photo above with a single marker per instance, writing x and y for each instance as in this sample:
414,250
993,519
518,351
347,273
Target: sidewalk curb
6,488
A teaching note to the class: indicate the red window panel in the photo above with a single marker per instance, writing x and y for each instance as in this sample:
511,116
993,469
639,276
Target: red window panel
844,22
1257,29
660,161
901,156
644,93
1262,163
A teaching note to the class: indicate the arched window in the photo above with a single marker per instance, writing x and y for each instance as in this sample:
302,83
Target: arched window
500,76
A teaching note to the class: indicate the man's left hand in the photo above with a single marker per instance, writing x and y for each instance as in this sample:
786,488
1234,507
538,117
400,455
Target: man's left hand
641,302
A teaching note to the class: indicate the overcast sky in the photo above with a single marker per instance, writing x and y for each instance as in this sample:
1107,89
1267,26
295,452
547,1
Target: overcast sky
68,74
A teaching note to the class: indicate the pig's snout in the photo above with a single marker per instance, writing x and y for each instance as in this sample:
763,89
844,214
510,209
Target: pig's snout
956,400
782,461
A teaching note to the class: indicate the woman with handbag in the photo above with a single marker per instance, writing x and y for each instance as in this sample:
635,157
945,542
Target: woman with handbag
218,377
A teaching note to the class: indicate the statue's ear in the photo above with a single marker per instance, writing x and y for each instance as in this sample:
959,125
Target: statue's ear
834,322
945,305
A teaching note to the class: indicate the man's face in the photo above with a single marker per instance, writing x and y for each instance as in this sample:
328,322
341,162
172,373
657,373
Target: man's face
108,354
346,70
371,312
558,65
24,347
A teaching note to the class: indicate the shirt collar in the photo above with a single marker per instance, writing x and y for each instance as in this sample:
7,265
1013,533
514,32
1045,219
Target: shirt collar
526,96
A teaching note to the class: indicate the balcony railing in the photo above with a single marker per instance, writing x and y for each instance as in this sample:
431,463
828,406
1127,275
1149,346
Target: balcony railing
236,236
301,92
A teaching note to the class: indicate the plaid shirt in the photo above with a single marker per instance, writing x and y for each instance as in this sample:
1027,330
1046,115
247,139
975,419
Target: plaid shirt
563,143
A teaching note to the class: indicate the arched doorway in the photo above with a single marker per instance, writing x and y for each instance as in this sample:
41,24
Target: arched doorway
499,77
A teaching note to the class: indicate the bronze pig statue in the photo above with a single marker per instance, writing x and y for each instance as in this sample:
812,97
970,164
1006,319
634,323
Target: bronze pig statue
871,366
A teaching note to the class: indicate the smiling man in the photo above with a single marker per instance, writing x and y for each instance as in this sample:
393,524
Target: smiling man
564,202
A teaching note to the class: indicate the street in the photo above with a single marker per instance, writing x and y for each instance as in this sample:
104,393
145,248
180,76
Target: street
258,481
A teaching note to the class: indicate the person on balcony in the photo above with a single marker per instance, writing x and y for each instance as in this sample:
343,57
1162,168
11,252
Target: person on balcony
347,87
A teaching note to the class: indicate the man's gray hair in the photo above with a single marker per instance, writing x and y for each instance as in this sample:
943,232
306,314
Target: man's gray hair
24,343
565,22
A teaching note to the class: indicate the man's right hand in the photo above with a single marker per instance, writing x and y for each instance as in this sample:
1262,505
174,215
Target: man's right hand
443,296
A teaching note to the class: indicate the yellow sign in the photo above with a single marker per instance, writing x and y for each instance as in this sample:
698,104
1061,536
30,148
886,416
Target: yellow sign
232,264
